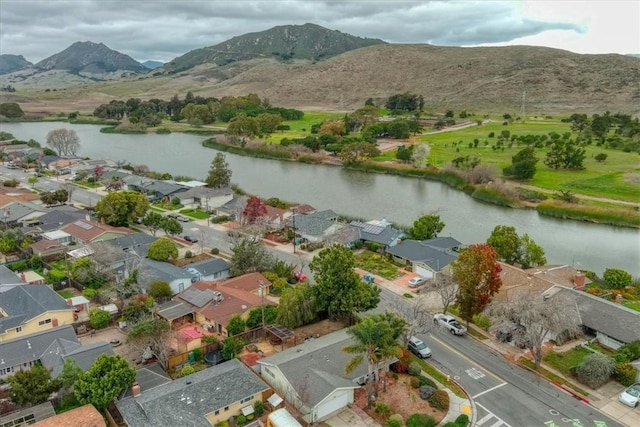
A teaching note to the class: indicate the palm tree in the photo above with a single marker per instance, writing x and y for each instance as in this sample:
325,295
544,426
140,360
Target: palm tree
398,330
375,342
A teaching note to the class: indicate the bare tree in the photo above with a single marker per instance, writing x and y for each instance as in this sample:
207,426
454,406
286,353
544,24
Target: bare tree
446,289
64,141
105,256
539,317
67,186
416,313
420,155
154,334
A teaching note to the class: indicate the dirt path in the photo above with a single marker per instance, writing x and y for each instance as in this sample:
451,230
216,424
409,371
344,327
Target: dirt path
578,196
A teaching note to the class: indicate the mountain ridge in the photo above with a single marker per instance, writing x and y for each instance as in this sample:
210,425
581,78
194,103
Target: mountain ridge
89,57
11,63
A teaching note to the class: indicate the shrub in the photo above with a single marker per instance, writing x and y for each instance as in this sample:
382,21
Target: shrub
10,183
241,420
628,352
426,381
426,392
595,370
421,420
394,420
18,266
483,322
258,408
89,293
450,424
383,409
163,131
625,373
215,251
224,423
209,339
188,254
402,364
439,400
414,369
462,420
187,370
197,353
415,382
99,319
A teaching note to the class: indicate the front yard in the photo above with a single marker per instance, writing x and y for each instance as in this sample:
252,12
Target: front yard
377,264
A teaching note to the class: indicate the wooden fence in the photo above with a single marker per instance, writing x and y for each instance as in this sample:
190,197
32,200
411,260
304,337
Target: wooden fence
178,360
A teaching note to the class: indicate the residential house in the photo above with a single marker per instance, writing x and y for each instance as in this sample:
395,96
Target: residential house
202,399
28,415
85,231
84,416
517,282
58,236
153,188
57,217
211,269
613,324
427,257
9,279
137,243
150,271
27,309
49,348
234,207
205,198
212,304
20,213
64,165
311,375
314,227
9,195
379,232
254,283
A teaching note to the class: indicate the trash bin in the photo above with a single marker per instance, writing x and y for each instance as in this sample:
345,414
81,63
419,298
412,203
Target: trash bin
192,357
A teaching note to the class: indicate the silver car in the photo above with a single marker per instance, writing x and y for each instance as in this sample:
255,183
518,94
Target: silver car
419,348
416,281
450,323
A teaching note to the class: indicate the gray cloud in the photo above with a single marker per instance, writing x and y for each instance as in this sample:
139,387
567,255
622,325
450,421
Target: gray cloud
165,29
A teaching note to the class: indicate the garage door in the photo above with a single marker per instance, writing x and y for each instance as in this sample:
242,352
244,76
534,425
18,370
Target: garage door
421,270
338,400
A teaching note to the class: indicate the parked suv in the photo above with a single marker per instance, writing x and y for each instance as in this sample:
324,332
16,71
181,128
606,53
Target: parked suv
419,348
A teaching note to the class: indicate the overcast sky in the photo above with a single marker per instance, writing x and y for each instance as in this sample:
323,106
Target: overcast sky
164,29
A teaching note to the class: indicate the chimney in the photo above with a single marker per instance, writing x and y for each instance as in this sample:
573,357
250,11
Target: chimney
578,280
618,299
69,301
23,277
135,389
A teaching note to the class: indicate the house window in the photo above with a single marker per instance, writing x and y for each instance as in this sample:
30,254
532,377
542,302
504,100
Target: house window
217,412
246,399
44,322
19,329
6,371
226,408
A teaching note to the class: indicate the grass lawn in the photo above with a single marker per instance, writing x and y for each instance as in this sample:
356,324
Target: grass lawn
302,128
377,264
66,293
195,213
565,362
632,304
59,265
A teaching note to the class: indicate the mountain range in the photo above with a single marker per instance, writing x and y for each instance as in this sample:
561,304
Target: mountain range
308,66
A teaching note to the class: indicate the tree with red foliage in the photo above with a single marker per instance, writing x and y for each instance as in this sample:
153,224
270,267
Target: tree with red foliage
477,273
254,210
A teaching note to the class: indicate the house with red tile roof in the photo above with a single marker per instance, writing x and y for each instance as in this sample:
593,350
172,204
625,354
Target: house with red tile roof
84,416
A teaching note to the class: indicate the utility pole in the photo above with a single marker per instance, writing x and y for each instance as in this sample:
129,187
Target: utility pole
294,229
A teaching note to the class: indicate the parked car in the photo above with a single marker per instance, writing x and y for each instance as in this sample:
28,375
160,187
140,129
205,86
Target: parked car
506,332
450,323
191,239
631,396
419,348
172,215
417,281
183,218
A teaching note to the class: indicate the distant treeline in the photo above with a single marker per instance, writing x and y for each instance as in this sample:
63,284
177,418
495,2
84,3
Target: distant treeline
194,109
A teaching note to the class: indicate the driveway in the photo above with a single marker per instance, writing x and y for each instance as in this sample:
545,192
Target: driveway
106,335
351,417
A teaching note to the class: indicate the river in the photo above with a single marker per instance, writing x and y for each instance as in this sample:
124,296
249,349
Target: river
374,196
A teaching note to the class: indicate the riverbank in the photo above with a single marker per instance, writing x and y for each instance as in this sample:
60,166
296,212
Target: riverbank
513,195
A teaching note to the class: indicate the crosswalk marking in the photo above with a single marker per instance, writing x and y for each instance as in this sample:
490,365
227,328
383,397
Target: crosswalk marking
490,416
484,419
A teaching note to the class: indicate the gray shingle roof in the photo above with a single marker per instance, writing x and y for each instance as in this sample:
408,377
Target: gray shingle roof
152,270
186,401
423,251
132,241
614,320
378,234
210,266
31,347
16,210
23,303
8,277
309,224
58,217
315,368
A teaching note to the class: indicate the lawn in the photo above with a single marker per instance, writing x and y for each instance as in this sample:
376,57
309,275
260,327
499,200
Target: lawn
377,264
302,128
632,304
195,213
565,362
66,293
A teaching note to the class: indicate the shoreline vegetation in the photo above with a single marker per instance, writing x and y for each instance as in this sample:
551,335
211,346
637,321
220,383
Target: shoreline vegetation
518,198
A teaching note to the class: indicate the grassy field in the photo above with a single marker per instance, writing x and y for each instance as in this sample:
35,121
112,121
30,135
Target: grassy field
302,128
565,362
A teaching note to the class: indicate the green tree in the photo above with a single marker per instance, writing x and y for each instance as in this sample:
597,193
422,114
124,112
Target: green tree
162,249
244,126
357,152
523,164
219,172
514,249
373,342
268,122
69,374
11,110
340,291
153,221
122,208
160,289
601,157
297,307
230,347
170,226
565,154
106,379
98,318
249,256
33,386
404,154
426,227
236,325
32,180
477,273
616,278
197,114
254,318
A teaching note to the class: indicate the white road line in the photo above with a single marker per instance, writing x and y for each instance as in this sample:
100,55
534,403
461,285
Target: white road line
497,423
488,390
484,419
